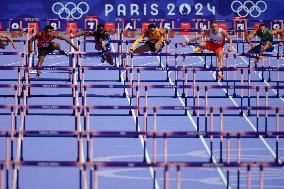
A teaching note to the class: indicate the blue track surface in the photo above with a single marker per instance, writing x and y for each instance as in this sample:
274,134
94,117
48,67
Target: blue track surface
131,149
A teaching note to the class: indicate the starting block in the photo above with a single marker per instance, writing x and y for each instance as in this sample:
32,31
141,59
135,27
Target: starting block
91,22
71,28
276,25
16,34
110,26
224,26
202,24
168,25
171,34
256,26
240,26
16,29
145,26
55,24
185,26
127,26
129,34
32,28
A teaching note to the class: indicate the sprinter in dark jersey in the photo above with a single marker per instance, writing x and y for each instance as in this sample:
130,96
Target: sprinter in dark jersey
266,41
45,44
102,37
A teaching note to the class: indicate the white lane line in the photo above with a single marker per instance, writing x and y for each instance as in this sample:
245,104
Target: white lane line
252,126
248,120
81,153
223,177
259,75
148,160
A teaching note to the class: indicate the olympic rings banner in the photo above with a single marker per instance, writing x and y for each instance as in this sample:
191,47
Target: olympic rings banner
109,10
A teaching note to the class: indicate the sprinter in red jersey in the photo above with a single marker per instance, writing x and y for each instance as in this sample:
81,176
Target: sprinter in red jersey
45,44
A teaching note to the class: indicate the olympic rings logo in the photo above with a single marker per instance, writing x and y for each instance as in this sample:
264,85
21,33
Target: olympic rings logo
70,10
249,8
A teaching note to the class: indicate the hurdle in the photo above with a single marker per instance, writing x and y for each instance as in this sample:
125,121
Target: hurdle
255,102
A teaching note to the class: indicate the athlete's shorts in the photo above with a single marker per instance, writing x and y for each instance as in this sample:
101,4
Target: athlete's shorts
257,48
98,46
152,46
215,47
42,52
3,43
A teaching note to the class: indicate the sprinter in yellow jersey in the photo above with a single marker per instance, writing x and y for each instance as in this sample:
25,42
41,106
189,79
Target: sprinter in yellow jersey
155,42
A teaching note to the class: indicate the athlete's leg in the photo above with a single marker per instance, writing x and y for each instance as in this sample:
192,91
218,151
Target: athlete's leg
39,65
219,54
255,49
98,46
200,47
265,47
3,44
159,46
143,48
109,59
56,46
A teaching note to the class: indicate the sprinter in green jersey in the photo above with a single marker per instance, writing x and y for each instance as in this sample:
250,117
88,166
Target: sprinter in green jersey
266,41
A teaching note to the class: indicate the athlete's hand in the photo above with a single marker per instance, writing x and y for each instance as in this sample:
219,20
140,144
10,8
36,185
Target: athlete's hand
251,45
76,48
230,49
15,46
131,51
71,37
103,44
183,44
158,47
31,51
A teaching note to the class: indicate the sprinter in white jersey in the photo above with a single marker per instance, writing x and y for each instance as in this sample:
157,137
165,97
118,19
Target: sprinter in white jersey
215,43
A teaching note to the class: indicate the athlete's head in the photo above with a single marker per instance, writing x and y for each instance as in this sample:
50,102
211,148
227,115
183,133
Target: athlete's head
214,26
48,29
101,26
152,28
262,28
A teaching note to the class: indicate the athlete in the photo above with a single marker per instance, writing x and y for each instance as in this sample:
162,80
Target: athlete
4,43
215,43
155,42
45,45
266,41
102,37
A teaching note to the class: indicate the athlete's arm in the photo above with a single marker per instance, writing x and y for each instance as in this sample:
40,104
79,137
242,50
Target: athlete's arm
163,36
226,35
137,41
107,36
60,37
35,37
82,33
281,33
203,34
8,37
248,37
